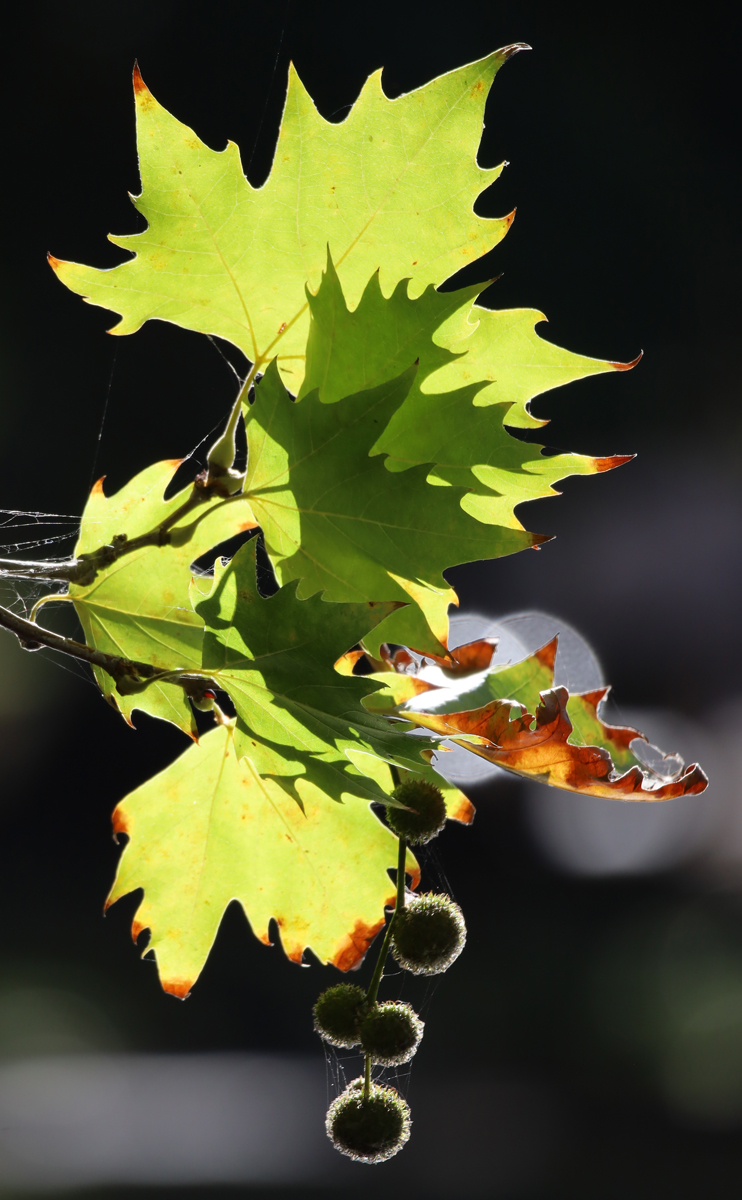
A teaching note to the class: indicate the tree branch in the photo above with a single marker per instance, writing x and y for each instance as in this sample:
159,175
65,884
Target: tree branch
128,675
83,570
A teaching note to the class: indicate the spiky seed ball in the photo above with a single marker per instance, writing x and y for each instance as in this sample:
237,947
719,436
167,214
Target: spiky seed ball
390,1033
427,816
368,1130
338,1014
429,934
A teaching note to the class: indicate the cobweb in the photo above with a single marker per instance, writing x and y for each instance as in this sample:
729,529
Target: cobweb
51,537
23,532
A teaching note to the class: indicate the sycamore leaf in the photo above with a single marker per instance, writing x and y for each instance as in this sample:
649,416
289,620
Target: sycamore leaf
296,715
543,750
566,744
209,829
524,683
458,429
392,186
139,606
337,520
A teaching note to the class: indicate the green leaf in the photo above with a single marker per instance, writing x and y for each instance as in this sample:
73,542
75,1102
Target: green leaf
139,606
458,429
338,521
392,186
209,830
296,715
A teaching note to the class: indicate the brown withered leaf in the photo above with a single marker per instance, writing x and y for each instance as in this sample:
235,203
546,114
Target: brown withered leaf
539,747
462,660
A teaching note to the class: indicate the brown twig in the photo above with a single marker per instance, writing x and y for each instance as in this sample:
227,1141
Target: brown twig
83,570
128,675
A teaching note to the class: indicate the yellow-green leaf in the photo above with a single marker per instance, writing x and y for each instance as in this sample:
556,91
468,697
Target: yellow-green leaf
139,607
392,186
209,830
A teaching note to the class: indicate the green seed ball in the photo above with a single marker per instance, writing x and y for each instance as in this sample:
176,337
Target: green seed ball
368,1130
338,1014
427,816
390,1033
429,934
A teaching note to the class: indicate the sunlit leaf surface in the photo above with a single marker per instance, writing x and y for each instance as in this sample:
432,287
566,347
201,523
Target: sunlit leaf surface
209,829
139,607
391,187
297,715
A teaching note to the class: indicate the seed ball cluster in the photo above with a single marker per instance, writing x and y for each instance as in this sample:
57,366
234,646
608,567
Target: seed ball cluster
338,1014
429,934
369,1130
391,1033
424,814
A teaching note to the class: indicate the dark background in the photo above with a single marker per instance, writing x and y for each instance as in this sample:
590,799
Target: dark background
622,130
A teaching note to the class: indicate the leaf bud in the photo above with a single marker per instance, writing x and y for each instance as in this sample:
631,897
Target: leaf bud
368,1129
338,1014
220,473
391,1033
429,934
424,814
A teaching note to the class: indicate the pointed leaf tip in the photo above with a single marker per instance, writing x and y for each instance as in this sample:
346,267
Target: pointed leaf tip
510,51
614,460
137,927
180,988
54,263
617,366
546,656
140,87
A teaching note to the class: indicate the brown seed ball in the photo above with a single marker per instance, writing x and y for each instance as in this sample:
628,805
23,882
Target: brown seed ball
427,816
368,1130
429,934
391,1033
338,1013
